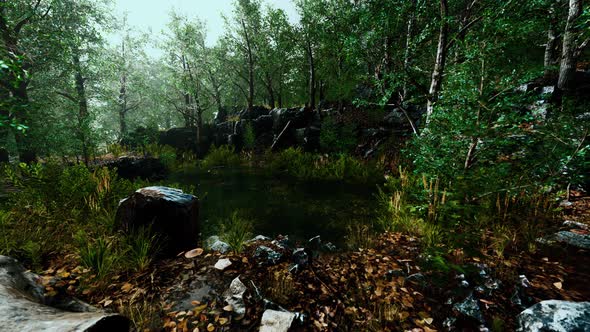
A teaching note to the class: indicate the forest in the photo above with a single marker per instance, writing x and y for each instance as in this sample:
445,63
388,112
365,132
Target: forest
322,165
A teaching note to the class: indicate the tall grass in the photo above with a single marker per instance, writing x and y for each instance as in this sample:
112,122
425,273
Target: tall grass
342,167
224,155
236,231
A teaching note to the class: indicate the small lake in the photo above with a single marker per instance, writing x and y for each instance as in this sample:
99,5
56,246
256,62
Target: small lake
280,206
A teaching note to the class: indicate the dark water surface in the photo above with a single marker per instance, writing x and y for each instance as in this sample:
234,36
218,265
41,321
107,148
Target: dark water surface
286,206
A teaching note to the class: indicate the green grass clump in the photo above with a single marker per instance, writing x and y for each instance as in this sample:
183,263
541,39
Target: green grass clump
98,254
236,231
224,155
142,246
306,166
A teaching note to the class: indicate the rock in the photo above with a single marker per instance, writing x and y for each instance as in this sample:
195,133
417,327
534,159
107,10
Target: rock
554,315
185,139
469,308
299,117
168,212
222,264
300,257
4,156
258,238
131,168
215,244
262,124
276,321
235,296
267,256
23,306
574,239
575,224
254,113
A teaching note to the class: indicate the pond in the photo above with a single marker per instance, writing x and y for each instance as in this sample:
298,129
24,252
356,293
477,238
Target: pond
281,205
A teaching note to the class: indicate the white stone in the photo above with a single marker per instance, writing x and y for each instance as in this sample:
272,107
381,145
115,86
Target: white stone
222,264
235,296
555,315
276,321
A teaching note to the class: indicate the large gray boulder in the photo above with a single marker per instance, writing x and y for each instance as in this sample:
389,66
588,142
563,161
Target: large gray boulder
555,316
23,306
168,212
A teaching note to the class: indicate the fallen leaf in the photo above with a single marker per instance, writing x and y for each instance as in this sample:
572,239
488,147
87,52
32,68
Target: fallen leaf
210,327
223,320
557,285
126,287
228,307
194,253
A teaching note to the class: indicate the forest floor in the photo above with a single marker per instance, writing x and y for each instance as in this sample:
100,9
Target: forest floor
387,287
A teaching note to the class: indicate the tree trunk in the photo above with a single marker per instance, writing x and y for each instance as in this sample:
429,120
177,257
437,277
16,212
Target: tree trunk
550,58
250,67
270,90
439,65
312,79
567,69
83,127
407,52
123,108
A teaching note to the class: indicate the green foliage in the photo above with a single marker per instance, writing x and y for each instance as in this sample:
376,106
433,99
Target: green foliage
223,156
337,137
97,254
165,153
296,163
249,137
142,247
236,231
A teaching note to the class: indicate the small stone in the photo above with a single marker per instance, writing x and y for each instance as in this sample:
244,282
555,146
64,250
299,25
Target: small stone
300,257
276,321
266,255
222,264
470,308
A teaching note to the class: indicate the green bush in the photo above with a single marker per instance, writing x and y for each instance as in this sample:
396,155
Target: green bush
165,153
249,136
224,155
337,137
306,166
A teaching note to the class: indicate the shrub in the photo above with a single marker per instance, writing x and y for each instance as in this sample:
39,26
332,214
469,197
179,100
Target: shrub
165,153
249,137
224,155
337,137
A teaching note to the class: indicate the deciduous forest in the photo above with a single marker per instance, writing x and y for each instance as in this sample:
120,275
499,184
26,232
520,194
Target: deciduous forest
347,165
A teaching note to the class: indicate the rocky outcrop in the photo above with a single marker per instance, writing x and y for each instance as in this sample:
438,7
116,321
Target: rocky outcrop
146,168
4,156
557,316
168,212
184,139
24,307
